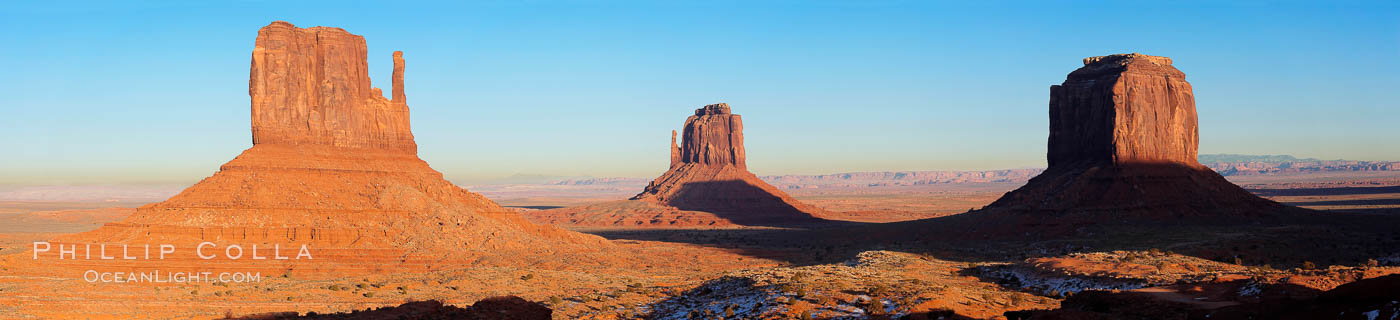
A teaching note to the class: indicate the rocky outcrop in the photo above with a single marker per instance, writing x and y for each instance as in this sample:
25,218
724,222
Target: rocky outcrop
714,136
310,86
1123,141
1123,108
708,173
333,166
708,185
675,151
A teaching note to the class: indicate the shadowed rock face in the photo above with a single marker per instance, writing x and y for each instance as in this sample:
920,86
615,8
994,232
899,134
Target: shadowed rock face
311,86
708,173
1123,138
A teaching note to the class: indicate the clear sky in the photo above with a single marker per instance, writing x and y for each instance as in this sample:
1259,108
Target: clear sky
157,92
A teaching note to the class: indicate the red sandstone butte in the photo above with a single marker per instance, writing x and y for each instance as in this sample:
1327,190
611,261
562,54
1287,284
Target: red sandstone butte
311,86
1123,138
708,173
333,165
707,185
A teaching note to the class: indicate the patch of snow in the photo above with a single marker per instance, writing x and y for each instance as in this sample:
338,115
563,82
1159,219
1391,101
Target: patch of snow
748,301
1047,284
1251,289
1390,261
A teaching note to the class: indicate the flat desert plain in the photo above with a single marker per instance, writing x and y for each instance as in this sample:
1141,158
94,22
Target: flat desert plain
760,272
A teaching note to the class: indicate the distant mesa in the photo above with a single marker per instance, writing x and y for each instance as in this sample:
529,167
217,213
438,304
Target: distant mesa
1123,141
1242,165
708,184
334,165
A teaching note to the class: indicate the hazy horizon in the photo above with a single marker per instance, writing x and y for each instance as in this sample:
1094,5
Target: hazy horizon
158,93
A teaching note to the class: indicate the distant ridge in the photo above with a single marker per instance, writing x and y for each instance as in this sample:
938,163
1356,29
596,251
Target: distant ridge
1232,157
1225,164
1239,164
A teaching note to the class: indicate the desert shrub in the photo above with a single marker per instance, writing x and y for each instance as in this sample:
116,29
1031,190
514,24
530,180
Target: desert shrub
1309,265
806,314
555,301
527,277
1372,263
1239,261
729,311
873,306
877,290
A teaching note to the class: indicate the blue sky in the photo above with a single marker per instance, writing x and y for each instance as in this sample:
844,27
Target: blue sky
157,92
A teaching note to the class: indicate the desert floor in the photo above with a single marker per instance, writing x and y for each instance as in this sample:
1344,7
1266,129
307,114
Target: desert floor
778,273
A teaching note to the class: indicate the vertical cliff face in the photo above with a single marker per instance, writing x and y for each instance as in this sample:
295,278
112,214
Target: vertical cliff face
1123,139
714,136
1123,108
311,86
708,173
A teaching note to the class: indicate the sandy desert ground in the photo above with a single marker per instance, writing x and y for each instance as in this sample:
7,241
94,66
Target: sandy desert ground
751,271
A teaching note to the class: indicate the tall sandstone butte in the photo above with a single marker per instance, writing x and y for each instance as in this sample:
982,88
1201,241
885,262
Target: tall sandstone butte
311,86
1123,138
708,173
334,165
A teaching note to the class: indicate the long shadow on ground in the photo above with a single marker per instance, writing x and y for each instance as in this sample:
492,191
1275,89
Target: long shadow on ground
1325,238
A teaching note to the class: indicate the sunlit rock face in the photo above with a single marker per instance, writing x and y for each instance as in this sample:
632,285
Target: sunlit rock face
1123,108
310,86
